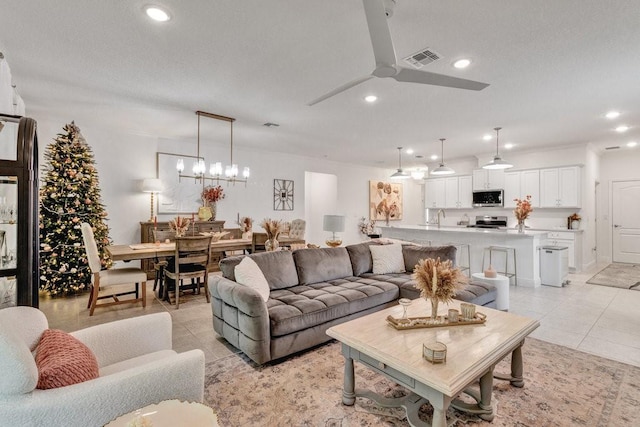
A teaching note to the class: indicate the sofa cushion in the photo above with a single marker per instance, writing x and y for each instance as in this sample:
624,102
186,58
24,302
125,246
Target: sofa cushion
412,254
228,266
387,258
305,306
476,292
360,257
321,265
63,360
249,274
18,370
277,266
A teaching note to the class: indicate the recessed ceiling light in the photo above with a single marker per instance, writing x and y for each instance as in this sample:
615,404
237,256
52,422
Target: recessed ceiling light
508,145
487,137
612,115
622,128
157,14
434,157
632,144
409,151
462,63
371,98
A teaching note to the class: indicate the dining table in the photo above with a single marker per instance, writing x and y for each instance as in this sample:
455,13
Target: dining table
140,251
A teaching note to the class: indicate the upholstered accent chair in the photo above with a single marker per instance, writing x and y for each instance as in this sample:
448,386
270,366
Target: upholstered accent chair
136,362
297,229
104,280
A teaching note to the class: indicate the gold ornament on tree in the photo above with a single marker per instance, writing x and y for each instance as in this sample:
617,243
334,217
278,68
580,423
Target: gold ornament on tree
438,282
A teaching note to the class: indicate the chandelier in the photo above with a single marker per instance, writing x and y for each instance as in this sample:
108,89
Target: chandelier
230,173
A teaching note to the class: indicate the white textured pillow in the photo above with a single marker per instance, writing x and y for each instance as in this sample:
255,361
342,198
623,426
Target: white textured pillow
387,258
249,274
18,370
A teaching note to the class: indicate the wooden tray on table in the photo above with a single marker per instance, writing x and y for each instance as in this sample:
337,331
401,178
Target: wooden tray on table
441,321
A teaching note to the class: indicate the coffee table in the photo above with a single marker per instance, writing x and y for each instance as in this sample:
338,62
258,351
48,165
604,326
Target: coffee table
472,353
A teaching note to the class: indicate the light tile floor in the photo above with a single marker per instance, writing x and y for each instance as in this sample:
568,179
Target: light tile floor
596,319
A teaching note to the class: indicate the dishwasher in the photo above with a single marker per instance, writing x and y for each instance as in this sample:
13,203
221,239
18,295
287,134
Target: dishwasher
554,265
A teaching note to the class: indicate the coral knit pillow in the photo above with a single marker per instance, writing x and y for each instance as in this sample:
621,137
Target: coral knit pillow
62,360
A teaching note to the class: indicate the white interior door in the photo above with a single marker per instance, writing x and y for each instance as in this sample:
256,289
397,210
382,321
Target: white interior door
320,199
625,205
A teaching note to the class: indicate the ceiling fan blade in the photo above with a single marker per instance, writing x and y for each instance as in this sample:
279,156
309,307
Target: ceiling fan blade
428,78
339,89
379,32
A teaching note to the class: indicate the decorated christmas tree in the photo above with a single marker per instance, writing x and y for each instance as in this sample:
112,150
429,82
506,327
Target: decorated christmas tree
69,196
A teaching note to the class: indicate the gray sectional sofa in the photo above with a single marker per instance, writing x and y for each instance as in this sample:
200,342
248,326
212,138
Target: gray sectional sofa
312,290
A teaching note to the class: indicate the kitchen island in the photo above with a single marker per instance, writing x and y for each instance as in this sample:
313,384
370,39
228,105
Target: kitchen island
527,245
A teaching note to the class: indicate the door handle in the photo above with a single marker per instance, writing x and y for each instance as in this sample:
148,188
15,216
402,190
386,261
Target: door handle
616,226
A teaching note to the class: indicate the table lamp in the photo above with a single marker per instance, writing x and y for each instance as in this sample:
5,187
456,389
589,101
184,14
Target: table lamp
334,224
152,185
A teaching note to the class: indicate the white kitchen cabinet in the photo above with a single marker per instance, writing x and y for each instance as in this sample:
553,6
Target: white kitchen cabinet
573,241
434,193
458,192
560,187
520,184
488,179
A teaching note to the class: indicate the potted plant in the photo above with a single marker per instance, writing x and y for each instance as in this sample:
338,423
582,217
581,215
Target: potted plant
210,196
438,282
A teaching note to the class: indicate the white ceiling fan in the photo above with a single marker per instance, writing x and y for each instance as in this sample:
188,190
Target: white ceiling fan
377,12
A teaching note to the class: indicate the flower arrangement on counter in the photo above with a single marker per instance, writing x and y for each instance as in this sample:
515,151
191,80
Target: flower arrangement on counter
212,194
179,225
366,227
523,208
575,217
273,227
438,281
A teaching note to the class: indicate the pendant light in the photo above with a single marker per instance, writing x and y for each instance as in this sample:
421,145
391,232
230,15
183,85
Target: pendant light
400,174
497,162
442,169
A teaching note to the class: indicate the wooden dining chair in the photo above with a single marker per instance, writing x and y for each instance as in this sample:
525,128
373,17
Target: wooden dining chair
257,242
103,280
191,260
160,236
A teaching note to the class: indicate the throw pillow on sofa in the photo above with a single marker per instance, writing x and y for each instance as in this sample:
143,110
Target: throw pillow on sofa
63,360
248,273
387,258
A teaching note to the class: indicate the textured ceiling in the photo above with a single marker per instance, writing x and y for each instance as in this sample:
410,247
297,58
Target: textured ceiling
555,67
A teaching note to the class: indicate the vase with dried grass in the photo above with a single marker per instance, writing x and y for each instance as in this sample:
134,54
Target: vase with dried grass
438,282
273,228
179,225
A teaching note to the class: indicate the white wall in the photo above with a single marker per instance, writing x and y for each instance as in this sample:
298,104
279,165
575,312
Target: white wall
124,159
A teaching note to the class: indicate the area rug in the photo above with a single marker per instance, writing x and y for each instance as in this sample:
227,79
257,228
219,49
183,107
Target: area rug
618,275
563,387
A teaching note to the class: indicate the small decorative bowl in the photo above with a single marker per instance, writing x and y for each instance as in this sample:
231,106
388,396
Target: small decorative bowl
435,352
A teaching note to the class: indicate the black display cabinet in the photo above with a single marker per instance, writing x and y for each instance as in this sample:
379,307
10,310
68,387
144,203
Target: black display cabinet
19,244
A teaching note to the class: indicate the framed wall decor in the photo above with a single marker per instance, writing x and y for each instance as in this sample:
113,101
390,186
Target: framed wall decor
180,195
385,200
282,195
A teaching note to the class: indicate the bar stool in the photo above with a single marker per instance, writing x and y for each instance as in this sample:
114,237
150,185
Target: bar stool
506,250
460,249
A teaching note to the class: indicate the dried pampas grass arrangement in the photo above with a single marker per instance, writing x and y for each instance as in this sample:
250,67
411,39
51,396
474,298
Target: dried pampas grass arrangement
438,281
272,227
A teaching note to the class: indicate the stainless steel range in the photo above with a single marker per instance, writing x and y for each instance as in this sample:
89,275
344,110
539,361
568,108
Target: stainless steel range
486,221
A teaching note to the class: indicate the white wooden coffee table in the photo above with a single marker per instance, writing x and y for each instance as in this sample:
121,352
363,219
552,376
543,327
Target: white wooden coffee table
472,353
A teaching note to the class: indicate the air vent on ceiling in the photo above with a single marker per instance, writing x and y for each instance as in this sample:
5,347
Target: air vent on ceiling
615,147
422,58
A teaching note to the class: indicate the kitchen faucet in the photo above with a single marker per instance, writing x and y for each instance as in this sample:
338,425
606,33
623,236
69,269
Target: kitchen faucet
440,211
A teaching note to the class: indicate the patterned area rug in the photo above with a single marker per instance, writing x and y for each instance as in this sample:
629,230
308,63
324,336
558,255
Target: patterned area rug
618,275
563,387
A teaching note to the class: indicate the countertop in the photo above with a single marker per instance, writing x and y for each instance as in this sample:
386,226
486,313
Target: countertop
464,229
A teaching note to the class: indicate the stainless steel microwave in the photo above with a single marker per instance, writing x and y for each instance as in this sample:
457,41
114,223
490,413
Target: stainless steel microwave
488,198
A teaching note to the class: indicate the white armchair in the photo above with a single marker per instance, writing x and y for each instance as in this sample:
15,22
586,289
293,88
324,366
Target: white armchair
137,367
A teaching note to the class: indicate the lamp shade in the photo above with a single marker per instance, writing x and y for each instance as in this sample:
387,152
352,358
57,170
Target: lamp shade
152,185
333,223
